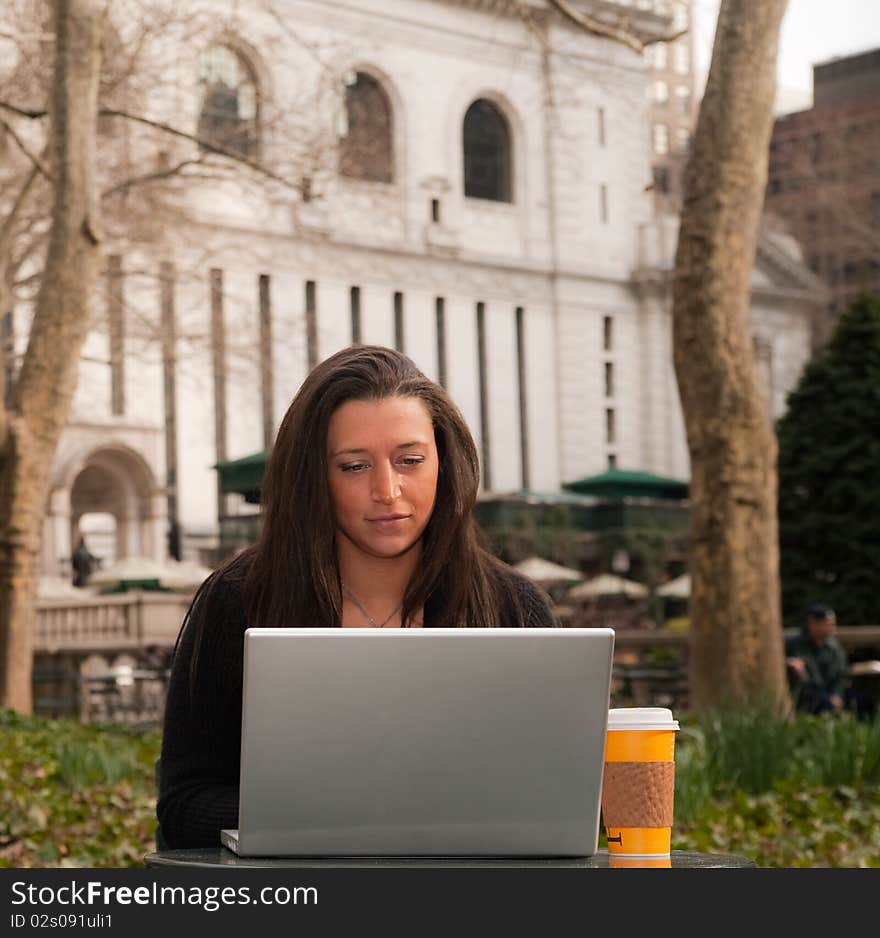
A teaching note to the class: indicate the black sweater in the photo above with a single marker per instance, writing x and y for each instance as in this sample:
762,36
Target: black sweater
201,743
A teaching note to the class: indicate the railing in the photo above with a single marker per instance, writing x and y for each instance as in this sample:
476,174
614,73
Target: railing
73,638
858,636
109,623
102,623
850,636
641,681
132,621
124,695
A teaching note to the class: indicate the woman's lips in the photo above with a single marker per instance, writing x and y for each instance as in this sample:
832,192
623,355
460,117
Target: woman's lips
388,522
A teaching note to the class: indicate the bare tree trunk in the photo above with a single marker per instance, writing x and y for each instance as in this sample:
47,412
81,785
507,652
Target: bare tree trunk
736,652
47,381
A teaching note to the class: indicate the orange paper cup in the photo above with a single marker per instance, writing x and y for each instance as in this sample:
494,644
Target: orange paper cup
638,786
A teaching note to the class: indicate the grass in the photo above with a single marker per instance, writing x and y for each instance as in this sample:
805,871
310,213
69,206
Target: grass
790,794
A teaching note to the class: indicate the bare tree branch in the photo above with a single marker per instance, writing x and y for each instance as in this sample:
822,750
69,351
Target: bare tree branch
39,165
150,177
6,232
23,112
27,37
205,142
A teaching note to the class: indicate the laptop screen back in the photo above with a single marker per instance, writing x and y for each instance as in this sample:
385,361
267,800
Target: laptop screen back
423,742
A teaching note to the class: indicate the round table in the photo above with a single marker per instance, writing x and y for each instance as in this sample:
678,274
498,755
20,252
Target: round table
213,857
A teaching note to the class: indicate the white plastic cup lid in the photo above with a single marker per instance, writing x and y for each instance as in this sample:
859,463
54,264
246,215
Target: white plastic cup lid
641,718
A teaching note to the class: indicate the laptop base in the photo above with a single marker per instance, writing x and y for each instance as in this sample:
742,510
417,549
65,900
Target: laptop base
229,839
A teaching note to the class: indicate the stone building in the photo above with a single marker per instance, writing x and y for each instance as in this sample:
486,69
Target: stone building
472,188
672,94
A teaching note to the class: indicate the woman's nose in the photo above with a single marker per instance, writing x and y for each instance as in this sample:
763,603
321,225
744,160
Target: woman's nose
386,486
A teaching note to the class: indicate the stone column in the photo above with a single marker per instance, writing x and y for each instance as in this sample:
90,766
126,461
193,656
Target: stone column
57,548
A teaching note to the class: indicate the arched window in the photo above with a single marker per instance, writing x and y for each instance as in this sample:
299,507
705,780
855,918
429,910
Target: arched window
228,114
367,149
487,153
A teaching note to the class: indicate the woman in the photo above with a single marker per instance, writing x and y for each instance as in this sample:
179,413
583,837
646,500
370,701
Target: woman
368,522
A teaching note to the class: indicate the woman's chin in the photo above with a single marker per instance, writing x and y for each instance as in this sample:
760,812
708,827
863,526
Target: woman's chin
387,547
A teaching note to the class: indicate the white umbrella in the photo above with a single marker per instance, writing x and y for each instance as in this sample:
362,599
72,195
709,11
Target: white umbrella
679,588
183,575
127,568
608,584
172,575
544,571
59,587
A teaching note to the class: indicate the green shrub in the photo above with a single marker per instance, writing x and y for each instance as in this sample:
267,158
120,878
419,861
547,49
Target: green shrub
82,762
800,793
839,751
756,750
692,789
829,448
747,749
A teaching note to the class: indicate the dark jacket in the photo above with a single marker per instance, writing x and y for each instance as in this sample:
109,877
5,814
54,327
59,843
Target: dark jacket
826,672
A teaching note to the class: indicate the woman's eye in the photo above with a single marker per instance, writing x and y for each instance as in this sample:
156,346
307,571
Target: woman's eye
405,462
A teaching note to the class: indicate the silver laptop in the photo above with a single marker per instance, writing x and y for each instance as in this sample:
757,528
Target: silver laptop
422,742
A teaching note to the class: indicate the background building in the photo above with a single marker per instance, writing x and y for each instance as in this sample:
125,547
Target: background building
824,181
472,187
673,103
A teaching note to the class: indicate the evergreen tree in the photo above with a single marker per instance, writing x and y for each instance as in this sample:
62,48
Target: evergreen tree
829,476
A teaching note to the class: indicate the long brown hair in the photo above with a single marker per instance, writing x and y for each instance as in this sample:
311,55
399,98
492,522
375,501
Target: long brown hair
290,577
293,576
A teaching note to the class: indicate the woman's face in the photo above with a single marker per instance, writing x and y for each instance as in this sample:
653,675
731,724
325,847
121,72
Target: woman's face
382,470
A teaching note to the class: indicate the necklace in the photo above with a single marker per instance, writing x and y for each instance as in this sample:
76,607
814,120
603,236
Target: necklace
365,614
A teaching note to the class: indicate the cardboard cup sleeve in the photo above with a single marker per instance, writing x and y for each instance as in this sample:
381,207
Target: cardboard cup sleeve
638,794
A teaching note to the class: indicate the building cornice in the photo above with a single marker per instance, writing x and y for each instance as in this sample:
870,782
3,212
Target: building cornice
796,272
658,282
494,275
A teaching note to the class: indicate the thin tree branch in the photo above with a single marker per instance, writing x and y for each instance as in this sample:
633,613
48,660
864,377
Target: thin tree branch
38,163
150,177
23,112
8,264
11,218
27,37
205,142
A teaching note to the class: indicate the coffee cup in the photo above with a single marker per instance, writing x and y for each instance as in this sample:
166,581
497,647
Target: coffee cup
638,785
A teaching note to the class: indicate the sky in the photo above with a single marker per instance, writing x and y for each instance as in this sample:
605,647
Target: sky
812,31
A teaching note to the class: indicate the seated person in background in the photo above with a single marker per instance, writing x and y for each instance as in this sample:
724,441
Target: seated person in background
368,522
816,663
